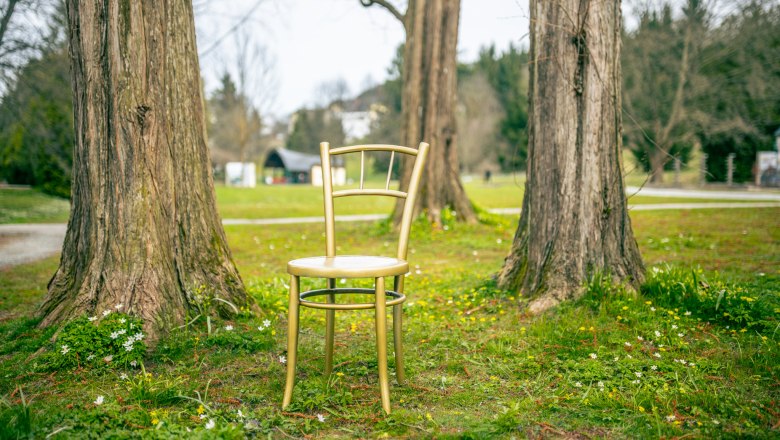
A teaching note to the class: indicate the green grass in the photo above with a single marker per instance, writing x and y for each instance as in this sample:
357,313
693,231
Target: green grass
31,206
478,365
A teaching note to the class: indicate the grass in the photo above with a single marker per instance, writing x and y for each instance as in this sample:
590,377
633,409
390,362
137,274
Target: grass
613,364
505,191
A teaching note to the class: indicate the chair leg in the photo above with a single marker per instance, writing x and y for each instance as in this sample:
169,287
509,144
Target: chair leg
398,311
330,327
292,338
381,343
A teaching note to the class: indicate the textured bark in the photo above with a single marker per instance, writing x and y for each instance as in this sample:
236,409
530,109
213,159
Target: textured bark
574,220
144,230
428,103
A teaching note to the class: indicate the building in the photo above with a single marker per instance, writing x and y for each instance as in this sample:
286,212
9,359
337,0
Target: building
287,166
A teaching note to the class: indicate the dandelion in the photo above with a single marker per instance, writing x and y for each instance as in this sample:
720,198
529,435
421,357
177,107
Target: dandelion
98,401
92,318
321,418
210,424
593,356
201,409
266,323
65,349
282,359
229,328
578,384
106,312
671,418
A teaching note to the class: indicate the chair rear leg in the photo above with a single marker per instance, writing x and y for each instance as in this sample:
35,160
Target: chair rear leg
292,338
330,327
398,311
381,343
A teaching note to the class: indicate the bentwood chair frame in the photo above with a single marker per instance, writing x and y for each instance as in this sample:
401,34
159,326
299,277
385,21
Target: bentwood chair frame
332,266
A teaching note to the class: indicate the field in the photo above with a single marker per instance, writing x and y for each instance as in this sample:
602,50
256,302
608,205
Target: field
694,354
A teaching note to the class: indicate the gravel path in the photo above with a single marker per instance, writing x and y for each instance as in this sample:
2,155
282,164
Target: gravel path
24,243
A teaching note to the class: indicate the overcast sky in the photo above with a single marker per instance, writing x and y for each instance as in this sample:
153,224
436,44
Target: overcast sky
314,41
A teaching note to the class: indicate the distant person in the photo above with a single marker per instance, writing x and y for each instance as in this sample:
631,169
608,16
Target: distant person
488,174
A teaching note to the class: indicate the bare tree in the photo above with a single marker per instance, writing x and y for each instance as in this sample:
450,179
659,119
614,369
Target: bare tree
22,31
574,220
144,230
428,101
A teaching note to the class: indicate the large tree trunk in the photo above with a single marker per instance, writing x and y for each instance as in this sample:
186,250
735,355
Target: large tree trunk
574,220
144,230
428,103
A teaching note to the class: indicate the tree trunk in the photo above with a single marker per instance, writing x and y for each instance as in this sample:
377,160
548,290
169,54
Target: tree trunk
574,220
428,103
658,157
144,230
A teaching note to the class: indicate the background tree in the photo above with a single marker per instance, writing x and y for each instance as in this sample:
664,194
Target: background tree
574,220
36,119
143,230
428,100
234,124
660,61
311,126
23,33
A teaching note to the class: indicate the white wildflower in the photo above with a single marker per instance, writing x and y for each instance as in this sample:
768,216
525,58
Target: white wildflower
671,418
593,356
106,312
652,309
680,335
138,336
578,384
627,344
635,382
657,334
616,358
674,326
321,418
108,358
99,400
122,331
658,355
240,414
123,376
114,335
654,367
65,349
91,356
210,424
229,328
282,359
628,356
92,318
118,306
128,347
638,374
640,339
202,416
123,320
600,384
133,363
687,313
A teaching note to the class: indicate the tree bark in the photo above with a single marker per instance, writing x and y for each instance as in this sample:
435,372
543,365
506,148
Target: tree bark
574,220
428,104
144,230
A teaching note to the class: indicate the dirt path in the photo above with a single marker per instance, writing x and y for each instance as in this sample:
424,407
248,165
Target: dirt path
24,243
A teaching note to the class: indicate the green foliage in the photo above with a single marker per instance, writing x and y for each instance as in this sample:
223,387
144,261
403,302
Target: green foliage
713,299
36,125
16,420
107,342
312,126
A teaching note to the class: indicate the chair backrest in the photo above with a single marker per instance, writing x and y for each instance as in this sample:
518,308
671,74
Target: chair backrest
410,195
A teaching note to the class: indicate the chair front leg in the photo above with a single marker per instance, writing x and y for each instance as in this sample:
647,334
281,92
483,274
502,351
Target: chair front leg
381,343
292,338
330,327
398,311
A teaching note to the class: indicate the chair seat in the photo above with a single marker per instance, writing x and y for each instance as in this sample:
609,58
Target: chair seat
347,266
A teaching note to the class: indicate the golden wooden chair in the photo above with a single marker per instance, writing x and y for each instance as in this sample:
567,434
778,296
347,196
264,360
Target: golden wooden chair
332,266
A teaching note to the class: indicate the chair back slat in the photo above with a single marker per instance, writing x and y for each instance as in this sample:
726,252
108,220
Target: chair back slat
410,195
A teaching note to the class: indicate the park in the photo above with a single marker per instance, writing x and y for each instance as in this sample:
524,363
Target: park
562,261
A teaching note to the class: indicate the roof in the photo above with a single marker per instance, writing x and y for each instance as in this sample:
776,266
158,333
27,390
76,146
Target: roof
295,161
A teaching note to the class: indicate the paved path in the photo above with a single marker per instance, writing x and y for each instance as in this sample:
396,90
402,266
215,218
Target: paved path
23,243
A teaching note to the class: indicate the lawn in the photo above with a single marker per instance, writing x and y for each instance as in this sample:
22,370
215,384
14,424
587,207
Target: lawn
695,354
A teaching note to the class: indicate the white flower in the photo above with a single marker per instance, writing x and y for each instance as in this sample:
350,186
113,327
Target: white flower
635,382
138,336
593,356
90,357
616,358
671,418
600,384
92,318
498,241
680,335
133,363
674,326
123,376
658,355
638,374
660,345
628,356
118,306
266,323
578,384
639,338
229,327
128,347
691,364
99,400
282,359
321,418
240,414
653,367
65,349
657,334
210,424
114,335
106,312
652,309
122,331
123,320
687,313
202,416
627,344
108,358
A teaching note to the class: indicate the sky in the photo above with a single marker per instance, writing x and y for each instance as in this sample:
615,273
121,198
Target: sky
309,42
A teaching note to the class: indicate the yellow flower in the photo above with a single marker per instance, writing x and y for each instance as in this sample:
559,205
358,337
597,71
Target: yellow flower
625,307
201,410
155,421
641,408
582,329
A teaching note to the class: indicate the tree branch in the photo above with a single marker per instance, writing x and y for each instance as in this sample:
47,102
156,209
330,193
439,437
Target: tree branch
6,18
385,4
